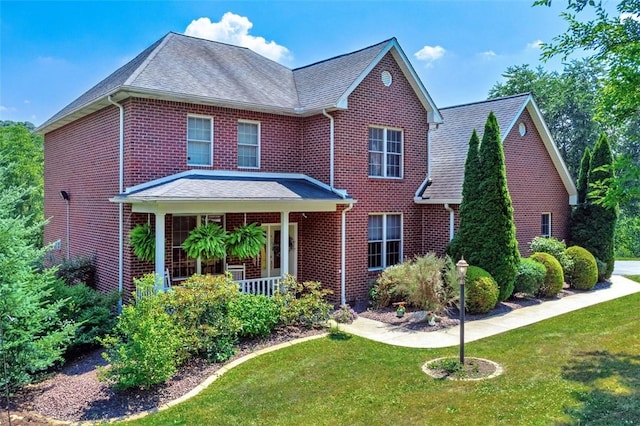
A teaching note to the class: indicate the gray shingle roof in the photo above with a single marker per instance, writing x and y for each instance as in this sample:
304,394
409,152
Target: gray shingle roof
203,186
450,141
190,69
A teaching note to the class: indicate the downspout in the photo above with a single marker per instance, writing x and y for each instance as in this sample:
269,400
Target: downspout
451,220
331,147
120,205
343,257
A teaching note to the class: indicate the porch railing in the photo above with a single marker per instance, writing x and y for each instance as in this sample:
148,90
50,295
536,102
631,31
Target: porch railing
264,286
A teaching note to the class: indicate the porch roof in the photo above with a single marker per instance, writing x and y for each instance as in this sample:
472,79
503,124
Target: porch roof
233,191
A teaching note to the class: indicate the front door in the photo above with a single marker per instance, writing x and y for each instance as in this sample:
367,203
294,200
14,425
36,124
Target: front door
270,255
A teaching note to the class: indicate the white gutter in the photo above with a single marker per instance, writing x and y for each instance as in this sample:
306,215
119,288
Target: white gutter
331,147
451,220
343,257
120,205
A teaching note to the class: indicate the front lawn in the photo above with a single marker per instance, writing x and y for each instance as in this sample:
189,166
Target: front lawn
565,370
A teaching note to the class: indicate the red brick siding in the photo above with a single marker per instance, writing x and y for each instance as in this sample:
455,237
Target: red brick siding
156,135
436,220
397,106
315,147
82,158
535,185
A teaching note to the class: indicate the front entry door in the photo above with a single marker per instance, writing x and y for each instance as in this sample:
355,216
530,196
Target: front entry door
271,254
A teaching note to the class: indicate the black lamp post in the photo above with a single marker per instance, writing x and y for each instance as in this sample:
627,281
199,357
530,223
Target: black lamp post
462,266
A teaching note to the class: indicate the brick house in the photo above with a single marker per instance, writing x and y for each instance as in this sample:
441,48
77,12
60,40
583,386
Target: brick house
330,159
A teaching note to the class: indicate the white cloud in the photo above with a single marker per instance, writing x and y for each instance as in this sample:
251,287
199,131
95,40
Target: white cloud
6,108
234,29
629,15
489,54
536,45
430,54
26,102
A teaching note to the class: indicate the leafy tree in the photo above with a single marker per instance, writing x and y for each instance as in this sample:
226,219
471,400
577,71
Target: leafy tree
22,158
567,102
34,337
614,42
490,242
593,224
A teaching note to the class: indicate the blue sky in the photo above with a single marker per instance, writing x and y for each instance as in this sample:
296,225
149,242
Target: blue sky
51,52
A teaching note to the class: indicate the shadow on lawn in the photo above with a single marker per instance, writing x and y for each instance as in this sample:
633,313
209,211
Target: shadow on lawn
613,394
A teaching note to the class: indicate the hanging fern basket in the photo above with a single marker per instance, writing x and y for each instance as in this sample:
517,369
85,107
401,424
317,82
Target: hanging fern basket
206,242
246,241
143,241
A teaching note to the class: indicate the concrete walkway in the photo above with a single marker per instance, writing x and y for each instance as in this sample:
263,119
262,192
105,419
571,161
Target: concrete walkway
474,330
626,267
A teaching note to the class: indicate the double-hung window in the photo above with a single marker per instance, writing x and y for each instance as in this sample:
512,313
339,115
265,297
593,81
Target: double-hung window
199,141
545,224
249,144
385,240
385,152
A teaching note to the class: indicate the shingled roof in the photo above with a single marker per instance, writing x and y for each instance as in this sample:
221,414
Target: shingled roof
189,69
449,143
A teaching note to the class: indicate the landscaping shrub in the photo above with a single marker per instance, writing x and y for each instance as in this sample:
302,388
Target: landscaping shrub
94,312
584,273
344,315
201,306
450,283
530,276
393,285
302,304
80,269
418,282
481,291
554,278
258,315
555,248
145,348
602,270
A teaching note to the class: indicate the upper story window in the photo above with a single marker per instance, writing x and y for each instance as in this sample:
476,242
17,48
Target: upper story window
199,141
385,240
545,224
385,152
249,144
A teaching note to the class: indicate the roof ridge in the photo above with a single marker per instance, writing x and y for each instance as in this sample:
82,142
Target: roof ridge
148,59
502,98
344,54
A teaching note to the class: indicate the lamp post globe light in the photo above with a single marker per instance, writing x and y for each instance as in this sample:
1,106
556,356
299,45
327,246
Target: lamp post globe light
462,266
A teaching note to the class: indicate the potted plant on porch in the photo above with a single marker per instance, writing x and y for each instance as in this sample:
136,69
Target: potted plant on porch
143,241
207,241
246,241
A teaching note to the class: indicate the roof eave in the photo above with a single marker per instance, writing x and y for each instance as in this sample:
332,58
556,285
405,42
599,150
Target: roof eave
420,200
433,115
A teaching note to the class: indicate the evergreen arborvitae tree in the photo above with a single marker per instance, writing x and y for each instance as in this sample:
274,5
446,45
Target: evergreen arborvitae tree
593,225
498,251
464,240
583,176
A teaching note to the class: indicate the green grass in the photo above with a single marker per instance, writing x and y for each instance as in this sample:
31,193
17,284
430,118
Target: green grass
578,368
635,278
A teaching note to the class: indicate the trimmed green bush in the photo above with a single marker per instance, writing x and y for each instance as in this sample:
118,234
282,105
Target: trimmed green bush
530,276
481,295
302,304
201,306
602,270
258,315
94,312
584,274
555,248
554,277
145,348
80,269
475,272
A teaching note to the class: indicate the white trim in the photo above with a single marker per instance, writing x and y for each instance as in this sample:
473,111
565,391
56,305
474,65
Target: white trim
211,128
433,114
548,214
384,239
419,200
343,255
385,153
258,150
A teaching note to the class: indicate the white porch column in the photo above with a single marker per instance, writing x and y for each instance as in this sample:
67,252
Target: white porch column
160,268
284,243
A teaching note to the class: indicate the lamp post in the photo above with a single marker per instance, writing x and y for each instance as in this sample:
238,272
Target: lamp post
462,266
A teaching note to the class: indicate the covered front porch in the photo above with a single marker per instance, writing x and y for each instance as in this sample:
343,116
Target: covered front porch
280,203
